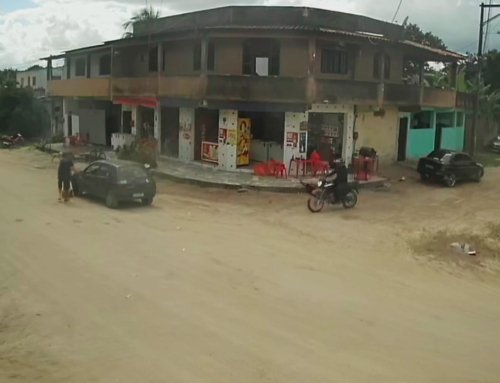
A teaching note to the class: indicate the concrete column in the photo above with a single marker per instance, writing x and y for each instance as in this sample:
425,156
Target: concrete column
135,120
204,55
421,81
65,105
186,134
453,75
292,137
157,128
381,84
228,124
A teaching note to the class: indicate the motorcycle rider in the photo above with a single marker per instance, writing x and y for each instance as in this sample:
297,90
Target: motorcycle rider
337,175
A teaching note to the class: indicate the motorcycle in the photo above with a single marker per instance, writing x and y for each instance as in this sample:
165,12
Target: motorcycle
327,192
10,141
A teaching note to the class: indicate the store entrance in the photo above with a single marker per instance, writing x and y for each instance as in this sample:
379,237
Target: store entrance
326,135
206,134
267,131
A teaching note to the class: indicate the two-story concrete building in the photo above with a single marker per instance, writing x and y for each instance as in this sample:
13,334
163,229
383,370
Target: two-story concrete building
235,85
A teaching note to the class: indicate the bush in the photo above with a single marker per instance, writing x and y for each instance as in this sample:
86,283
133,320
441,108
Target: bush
142,151
21,112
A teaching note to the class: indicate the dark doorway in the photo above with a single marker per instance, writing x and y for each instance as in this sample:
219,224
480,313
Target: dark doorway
170,131
127,121
206,129
402,138
112,121
70,124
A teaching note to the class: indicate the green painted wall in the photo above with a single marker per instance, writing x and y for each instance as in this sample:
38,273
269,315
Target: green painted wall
420,142
453,138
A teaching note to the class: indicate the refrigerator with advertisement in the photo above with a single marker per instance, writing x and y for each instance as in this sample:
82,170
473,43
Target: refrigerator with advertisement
243,138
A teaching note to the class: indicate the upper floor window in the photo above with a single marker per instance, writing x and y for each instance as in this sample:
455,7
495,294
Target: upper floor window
377,62
105,65
210,56
261,57
153,60
80,67
334,61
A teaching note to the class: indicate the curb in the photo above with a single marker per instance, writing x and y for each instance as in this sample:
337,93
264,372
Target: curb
295,189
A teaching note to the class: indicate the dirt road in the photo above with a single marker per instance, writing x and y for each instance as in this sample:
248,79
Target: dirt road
215,286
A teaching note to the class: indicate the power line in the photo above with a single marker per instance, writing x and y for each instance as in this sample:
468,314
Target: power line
487,28
397,10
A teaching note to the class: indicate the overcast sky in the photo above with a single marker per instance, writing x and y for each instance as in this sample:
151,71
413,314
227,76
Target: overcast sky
30,29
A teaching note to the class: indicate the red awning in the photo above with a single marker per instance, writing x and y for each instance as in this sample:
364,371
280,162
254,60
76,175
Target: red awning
142,101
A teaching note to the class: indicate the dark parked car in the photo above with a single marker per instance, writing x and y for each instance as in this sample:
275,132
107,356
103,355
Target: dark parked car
115,181
449,166
495,145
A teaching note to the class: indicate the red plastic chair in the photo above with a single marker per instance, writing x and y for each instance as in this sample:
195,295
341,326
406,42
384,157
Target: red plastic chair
278,169
317,164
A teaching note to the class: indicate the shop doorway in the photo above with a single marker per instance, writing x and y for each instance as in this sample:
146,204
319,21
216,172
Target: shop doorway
147,121
170,132
127,121
267,131
402,138
326,135
206,130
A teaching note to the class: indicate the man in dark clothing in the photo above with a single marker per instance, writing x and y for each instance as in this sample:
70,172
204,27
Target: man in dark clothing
338,175
66,166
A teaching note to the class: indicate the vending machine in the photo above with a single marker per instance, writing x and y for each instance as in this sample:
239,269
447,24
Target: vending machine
243,138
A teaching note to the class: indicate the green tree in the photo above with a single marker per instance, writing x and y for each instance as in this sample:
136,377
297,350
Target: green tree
144,14
490,67
412,32
20,111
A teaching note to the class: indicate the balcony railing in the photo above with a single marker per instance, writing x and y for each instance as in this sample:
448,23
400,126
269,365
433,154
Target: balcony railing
401,94
135,86
439,98
79,87
255,88
261,89
345,91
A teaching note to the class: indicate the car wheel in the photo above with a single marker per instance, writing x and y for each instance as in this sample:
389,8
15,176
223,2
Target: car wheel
75,188
147,201
425,177
111,201
479,175
450,180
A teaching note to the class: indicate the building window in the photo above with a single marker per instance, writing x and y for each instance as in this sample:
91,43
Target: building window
33,81
210,56
153,59
29,81
261,57
334,61
105,65
377,61
80,67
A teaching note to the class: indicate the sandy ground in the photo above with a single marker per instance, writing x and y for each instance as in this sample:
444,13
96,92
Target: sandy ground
216,286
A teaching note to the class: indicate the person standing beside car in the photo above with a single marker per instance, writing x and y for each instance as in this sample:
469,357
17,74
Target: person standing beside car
64,171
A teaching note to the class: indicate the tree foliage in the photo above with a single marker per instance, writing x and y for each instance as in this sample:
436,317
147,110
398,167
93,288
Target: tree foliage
144,14
415,34
20,111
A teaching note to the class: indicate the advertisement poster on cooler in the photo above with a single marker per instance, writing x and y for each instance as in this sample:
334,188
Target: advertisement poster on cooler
243,141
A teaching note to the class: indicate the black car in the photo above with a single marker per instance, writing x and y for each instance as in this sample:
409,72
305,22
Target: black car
449,166
115,181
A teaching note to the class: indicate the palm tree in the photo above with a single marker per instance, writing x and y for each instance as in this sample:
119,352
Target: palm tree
145,14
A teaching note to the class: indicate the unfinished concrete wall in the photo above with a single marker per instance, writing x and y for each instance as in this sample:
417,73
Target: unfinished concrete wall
178,57
364,63
378,132
228,56
294,58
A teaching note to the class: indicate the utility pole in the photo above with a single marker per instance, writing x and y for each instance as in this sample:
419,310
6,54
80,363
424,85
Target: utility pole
475,109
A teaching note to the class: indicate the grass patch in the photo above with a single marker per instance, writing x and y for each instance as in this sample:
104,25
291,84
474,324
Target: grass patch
488,159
